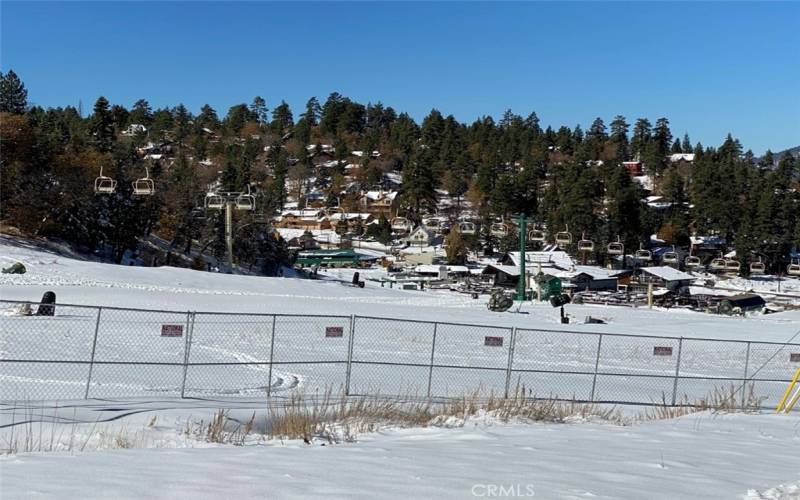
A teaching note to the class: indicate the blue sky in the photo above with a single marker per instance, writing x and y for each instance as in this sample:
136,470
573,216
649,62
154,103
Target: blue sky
711,68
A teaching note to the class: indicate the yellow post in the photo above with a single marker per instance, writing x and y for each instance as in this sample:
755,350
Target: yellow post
793,401
782,403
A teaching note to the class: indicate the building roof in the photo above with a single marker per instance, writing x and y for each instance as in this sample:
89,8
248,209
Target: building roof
667,273
557,258
681,157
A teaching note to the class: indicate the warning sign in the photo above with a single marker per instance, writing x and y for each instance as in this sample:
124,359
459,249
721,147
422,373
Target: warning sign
662,351
172,330
334,331
493,341
794,357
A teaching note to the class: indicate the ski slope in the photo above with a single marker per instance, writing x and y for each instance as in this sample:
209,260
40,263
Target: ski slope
91,283
697,456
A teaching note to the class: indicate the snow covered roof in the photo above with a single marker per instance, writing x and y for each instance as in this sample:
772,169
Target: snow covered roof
433,268
596,273
645,180
349,216
681,157
301,213
667,273
378,195
708,240
558,258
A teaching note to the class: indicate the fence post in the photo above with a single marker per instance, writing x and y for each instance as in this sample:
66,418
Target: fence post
186,348
511,345
91,360
677,372
433,350
596,364
350,354
744,379
271,356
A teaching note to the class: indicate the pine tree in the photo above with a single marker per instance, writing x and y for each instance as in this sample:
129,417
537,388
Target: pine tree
641,136
141,113
419,188
686,145
281,118
619,138
258,110
13,95
101,126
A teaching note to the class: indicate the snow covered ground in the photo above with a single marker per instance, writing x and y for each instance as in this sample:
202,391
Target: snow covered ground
699,456
696,456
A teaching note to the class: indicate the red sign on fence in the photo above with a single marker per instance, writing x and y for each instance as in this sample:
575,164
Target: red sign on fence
662,351
794,357
493,341
172,330
334,331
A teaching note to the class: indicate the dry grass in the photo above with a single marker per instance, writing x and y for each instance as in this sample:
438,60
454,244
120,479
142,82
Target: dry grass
333,418
734,398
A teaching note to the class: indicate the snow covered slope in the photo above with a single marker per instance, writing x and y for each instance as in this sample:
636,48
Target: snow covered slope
91,283
700,456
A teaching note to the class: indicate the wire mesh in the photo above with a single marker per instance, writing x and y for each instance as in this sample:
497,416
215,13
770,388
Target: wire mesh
45,357
391,356
84,351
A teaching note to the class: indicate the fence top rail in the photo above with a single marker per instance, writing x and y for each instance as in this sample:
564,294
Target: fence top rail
379,318
663,337
168,311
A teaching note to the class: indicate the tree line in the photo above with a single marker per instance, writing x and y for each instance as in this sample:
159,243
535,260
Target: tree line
559,177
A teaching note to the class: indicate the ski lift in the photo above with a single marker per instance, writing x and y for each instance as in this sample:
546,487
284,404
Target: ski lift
794,268
104,184
499,230
692,261
536,235
144,186
757,268
466,227
246,201
732,265
643,255
615,248
401,224
585,245
717,264
214,201
670,257
563,238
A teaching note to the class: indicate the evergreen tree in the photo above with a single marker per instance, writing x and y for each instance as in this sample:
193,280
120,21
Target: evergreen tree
13,95
101,126
258,110
418,190
641,136
282,118
686,145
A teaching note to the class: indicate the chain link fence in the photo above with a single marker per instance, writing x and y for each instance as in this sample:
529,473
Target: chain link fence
106,352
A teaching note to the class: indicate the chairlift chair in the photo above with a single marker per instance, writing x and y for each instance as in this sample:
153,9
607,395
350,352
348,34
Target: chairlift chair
670,257
466,227
144,186
717,264
499,230
104,184
246,201
563,238
692,261
732,265
585,245
643,255
433,223
794,268
615,248
537,235
214,201
757,268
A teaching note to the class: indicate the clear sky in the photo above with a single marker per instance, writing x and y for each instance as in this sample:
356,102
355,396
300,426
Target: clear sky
711,68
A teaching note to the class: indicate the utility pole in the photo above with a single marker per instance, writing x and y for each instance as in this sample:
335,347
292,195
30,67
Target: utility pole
229,232
522,237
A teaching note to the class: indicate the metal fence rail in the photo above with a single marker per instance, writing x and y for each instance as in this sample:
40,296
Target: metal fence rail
111,352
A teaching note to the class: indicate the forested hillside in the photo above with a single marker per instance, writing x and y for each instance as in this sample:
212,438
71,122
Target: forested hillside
560,176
